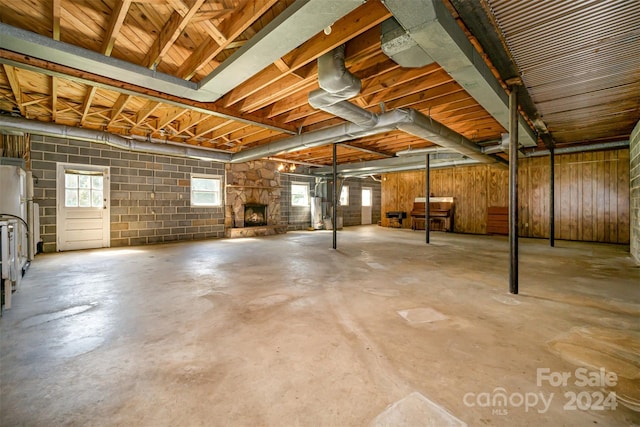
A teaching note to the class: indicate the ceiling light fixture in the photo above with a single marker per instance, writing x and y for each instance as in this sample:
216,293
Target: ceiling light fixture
286,168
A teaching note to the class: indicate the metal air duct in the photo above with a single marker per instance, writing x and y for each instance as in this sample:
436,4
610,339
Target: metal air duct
400,47
294,26
410,121
581,148
337,85
422,151
431,26
82,134
333,134
424,127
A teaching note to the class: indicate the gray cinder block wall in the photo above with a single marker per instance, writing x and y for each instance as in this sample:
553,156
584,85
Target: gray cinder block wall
352,213
634,189
296,217
136,217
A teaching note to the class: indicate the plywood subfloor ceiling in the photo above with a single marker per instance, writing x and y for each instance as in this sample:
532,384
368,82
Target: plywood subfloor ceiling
190,39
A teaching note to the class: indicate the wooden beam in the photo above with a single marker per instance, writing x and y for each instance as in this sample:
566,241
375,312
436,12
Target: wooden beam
178,6
209,125
88,99
14,82
363,18
231,28
170,32
118,107
208,15
147,109
283,88
35,101
169,115
117,18
215,33
189,121
56,11
281,65
54,98
353,146
84,77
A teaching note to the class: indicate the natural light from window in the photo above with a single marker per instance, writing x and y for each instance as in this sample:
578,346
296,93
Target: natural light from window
206,190
299,194
83,190
344,196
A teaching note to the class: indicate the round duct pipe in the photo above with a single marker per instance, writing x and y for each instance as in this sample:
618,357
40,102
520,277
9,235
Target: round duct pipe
117,141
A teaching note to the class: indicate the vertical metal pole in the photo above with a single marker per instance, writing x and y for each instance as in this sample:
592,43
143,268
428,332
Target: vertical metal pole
427,212
335,196
552,197
513,190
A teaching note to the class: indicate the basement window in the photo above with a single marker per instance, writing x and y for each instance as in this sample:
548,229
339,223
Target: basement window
206,190
344,196
299,194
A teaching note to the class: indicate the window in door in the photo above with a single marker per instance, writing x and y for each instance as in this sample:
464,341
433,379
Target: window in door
83,189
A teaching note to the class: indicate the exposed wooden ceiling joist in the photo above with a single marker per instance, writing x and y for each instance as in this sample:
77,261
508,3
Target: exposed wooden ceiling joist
170,32
14,83
190,38
232,27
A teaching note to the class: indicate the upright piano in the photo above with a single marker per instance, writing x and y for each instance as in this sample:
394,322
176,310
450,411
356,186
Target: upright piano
441,211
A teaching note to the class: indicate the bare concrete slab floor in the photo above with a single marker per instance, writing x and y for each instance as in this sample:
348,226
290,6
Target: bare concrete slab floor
284,331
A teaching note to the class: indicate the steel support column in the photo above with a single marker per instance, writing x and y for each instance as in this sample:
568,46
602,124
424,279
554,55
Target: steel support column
427,213
513,190
335,196
552,197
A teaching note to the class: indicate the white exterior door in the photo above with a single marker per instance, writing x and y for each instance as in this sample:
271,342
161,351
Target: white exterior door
82,207
367,201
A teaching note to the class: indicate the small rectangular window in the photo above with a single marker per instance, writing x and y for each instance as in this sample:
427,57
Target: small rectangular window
344,196
299,194
206,190
83,189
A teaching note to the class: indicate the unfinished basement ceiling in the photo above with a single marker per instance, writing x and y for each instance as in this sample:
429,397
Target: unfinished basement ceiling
189,43
580,62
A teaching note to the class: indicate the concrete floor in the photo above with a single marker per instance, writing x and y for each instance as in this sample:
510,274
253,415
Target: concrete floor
284,331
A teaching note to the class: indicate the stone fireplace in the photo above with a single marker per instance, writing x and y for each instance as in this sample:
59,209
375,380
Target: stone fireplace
252,203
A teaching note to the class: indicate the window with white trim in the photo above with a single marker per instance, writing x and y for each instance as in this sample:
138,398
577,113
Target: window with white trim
344,196
206,190
299,194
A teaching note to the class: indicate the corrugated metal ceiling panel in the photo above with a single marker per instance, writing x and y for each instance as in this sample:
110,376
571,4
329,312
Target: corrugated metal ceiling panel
575,57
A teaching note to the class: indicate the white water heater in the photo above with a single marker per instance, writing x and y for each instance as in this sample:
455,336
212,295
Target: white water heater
13,191
13,225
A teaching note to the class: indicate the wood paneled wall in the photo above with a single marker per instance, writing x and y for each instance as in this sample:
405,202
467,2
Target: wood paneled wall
591,195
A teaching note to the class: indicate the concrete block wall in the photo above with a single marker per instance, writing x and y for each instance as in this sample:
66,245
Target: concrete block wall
296,217
634,189
352,213
137,217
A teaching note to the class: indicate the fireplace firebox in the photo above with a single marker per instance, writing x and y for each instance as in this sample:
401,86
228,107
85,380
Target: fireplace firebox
255,215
